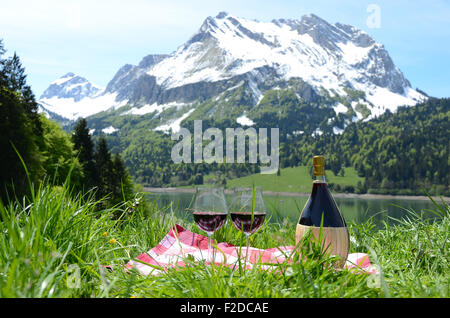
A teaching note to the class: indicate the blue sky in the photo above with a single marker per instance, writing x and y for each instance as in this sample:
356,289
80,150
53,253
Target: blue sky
95,38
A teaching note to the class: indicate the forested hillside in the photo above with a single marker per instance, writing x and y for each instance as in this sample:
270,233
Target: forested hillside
396,152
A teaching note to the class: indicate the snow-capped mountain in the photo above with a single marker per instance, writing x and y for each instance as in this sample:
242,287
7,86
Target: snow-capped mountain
229,52
71,86
72,96
322,54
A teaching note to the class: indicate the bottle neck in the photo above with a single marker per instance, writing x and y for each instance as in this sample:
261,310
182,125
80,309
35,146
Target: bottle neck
320,179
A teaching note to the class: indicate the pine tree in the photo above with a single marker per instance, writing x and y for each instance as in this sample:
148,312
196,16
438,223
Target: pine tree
15,73
18,131
15,135
123,186
84,146
14,79
104,169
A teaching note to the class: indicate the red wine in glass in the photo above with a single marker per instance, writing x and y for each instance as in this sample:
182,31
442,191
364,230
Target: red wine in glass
209,221
210,212
247,223
248,211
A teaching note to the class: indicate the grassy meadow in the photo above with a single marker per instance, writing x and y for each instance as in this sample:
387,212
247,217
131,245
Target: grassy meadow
57,245
295,179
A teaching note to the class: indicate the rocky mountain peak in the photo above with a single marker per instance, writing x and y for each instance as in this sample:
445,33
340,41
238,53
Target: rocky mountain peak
151,60
70,74
71,85
222,15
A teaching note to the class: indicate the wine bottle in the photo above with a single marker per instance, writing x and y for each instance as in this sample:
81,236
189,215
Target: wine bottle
321,211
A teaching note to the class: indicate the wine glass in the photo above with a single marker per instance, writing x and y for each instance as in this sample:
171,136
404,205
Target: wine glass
248,211
210,211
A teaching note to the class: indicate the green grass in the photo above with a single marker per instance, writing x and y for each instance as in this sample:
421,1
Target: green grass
295,179
57,244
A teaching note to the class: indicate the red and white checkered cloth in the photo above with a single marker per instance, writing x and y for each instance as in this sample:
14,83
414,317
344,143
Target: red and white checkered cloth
180,244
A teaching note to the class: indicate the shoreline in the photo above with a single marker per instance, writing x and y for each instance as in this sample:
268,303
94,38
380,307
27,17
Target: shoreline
304,194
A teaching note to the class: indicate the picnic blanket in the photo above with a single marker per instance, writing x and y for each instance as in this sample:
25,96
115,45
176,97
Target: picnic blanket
180,245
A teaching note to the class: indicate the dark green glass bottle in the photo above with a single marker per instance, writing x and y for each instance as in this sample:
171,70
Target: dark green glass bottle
321,209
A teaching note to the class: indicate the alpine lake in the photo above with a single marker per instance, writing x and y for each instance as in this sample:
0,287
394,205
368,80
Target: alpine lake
358,209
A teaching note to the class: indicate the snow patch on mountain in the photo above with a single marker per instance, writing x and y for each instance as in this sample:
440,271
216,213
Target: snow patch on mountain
384,99
155,107
174,125
109,130
337,130
340,108
244,120
72,109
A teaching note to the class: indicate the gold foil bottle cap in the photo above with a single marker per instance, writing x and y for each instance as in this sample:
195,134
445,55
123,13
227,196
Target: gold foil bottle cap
319,165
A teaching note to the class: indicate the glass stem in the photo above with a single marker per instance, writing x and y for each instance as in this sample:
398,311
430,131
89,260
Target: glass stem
247,258
209,248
